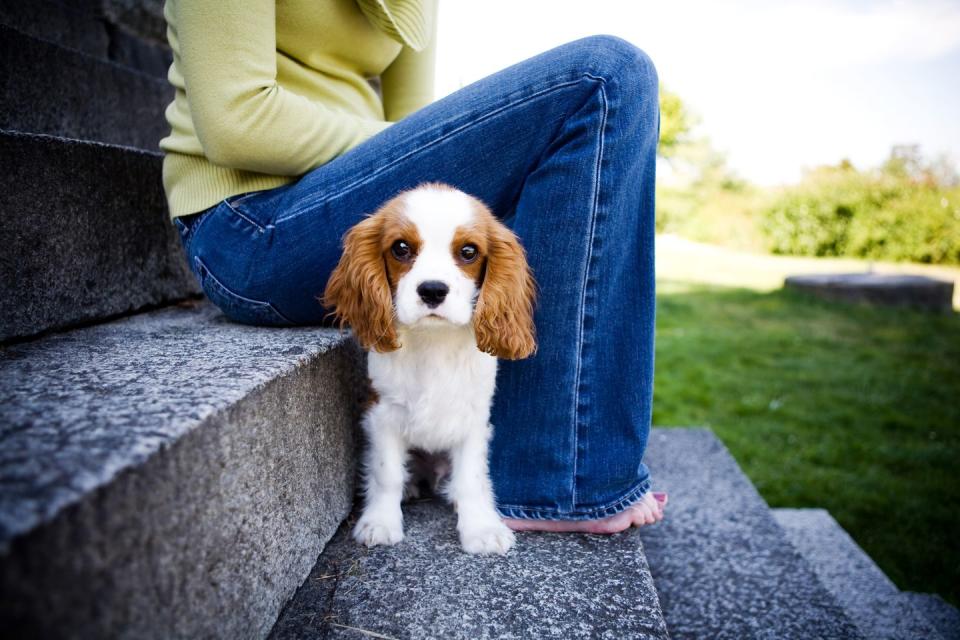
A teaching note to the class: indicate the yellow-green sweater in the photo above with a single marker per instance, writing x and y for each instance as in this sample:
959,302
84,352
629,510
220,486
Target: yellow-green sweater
267,91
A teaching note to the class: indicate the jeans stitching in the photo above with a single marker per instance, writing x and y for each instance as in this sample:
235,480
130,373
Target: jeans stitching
368,177
583,290
247,218
607,509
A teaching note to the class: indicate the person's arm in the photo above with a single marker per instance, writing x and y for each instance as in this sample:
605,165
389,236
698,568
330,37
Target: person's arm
407,84
243,118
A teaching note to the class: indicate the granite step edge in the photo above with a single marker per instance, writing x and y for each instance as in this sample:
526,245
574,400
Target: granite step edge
55,90
871,599
22,364
229,492
722,565
93,32
941,614
547,586
64,271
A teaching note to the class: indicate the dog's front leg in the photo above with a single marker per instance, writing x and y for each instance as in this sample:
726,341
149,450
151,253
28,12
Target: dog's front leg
481,529
384,476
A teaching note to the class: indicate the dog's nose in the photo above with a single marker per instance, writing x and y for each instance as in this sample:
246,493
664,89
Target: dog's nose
432,292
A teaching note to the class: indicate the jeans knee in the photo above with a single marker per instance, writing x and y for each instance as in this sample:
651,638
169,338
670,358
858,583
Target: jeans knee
619,62
627,72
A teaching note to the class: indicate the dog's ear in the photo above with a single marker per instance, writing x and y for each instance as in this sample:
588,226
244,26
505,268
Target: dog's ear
358,292
503,317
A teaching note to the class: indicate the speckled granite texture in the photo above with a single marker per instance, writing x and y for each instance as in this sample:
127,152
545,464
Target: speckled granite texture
722,565
871,600
86,234
548,586
944,616
920,292
170,475
52,90
98,29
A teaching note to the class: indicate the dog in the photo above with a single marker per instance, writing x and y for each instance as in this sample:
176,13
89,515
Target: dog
435,289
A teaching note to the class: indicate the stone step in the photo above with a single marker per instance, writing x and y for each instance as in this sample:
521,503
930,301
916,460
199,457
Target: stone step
57,91
171,474
895,290
96,29
943,615
722,565
547,586
871,600
86,235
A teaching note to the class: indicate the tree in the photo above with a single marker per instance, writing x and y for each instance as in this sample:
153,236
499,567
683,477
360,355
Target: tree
676,121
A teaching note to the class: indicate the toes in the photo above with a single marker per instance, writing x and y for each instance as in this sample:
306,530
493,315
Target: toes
645,515
492,540
376,533
613,524
644,512
655,502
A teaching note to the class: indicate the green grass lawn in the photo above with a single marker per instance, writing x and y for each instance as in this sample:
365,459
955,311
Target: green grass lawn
850,408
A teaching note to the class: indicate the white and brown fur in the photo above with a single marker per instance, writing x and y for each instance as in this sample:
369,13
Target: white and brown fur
432,366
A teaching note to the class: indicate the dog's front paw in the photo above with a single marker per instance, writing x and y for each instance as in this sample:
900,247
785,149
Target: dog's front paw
372,532
487,539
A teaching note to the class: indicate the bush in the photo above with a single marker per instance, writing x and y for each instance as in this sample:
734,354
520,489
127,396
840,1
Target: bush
839,211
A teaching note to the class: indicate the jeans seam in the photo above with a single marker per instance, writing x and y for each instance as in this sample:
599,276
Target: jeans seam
583,291
243,216
370,176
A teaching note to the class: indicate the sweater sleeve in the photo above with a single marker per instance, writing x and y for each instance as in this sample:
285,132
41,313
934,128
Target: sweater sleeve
408,82
243,118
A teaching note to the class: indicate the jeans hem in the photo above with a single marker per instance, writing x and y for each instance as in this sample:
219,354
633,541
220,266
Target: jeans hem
592,513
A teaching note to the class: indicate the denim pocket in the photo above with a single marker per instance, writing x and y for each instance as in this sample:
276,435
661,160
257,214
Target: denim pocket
257,208
235,306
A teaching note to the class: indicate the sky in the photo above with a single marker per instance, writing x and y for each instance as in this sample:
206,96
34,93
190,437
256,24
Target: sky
776,85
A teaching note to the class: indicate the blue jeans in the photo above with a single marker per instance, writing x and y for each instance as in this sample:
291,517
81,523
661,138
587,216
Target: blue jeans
562,148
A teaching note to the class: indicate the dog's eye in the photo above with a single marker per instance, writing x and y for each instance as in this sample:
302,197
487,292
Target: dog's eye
401,250
468,252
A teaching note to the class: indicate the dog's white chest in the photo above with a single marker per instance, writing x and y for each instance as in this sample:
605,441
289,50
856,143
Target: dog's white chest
438,386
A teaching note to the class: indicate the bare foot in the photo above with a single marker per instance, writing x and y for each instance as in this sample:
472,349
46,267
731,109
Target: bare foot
647,511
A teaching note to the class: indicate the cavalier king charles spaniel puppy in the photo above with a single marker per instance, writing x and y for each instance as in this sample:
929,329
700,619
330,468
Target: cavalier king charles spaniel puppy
435,289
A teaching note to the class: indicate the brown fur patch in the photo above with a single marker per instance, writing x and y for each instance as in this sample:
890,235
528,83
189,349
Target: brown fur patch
359,291
474,234
396,226
503,318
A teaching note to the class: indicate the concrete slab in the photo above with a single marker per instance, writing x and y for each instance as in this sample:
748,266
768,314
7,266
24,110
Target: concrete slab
171,474
868,596
57,91
86,235
722,565
547,586
938,611
920,292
